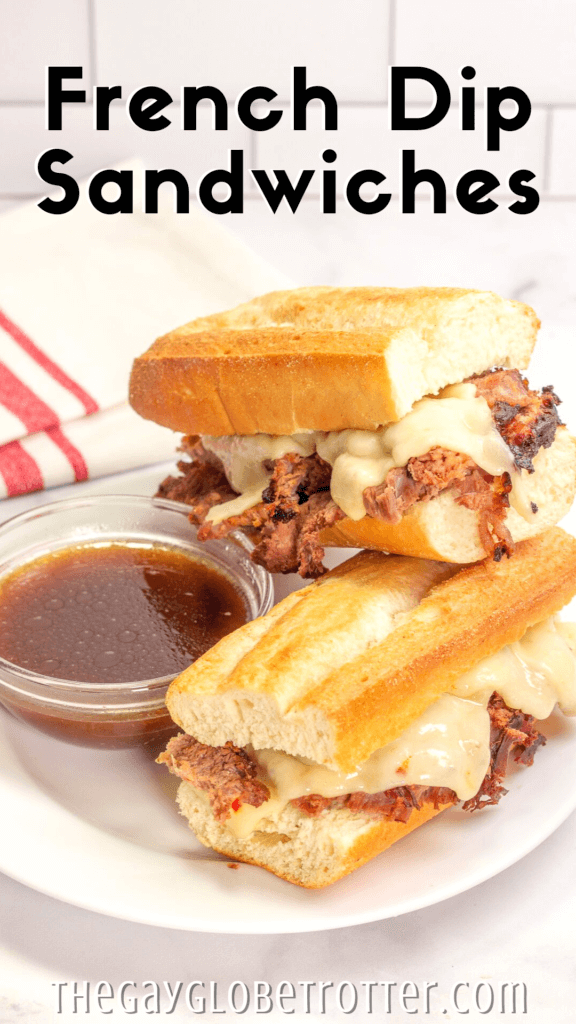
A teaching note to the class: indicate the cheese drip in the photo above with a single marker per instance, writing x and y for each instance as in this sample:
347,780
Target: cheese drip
449,744
457,420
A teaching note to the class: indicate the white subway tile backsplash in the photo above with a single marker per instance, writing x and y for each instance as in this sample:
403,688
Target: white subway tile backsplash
563,154
364,140
530,45
35,33
193,153
345,46
234,45
27,137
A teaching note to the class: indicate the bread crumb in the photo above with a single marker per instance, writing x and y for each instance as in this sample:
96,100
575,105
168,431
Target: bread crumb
234,866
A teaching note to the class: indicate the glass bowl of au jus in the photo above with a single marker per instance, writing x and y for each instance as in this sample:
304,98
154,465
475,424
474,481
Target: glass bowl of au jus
103,601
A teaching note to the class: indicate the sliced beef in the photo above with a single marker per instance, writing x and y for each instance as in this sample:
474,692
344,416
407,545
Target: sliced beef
294,479
296,506
229,775
422,479
202,483
394,804
425,477
527,420
488,496
321,514
511,733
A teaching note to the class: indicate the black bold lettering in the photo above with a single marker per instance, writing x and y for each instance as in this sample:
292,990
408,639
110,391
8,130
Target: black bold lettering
398,119
244,107
152,182
284,189
468,101
329,183
234,178
65,181
530,195
474,200
124,202
146,117
495,122
103,96
302,95
376,205
411,178
193,95
56,95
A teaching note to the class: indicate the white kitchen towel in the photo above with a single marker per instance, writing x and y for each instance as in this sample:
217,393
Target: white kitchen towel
81,295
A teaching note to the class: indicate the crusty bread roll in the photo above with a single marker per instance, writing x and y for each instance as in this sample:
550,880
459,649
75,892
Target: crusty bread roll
339,670
342,667
311,852
444,530
325,358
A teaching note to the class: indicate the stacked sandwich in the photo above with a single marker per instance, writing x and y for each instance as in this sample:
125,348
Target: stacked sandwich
399,683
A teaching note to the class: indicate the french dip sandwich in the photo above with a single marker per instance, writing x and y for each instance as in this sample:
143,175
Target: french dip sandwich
364,704
383,418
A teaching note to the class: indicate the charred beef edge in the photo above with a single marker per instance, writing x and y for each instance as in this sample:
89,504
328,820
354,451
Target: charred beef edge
229,775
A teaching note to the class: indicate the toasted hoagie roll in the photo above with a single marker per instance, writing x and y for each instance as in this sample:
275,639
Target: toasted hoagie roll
367,702
361,417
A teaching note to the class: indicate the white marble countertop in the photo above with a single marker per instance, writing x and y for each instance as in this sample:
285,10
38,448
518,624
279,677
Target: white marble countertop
518,926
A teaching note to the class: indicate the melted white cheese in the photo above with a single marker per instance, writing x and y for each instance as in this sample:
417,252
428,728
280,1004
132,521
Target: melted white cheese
448,745
533,674
457,420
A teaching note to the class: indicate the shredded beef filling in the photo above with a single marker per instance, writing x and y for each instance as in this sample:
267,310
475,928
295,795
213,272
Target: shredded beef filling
394,804
511,733
526,419
425,477
229,775
296,506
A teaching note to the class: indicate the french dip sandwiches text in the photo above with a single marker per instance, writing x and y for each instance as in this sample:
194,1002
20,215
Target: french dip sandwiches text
382,418
367,702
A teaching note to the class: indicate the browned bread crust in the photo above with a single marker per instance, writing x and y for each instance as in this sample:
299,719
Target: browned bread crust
463,620
325,358
345,665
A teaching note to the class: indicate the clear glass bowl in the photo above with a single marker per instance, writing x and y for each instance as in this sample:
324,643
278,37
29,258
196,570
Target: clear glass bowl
119,714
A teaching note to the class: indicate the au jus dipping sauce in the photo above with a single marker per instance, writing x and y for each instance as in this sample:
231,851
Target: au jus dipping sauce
103,615
114,613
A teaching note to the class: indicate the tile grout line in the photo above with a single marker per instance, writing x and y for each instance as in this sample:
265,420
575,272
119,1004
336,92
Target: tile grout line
547,151
92,44
391,35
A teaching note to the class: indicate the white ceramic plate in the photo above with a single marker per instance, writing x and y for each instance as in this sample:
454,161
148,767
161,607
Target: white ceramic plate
100,829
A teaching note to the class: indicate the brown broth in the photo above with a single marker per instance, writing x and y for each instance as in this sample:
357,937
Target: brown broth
115,613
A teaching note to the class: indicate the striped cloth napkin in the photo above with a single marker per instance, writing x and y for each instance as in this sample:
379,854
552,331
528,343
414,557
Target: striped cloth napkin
80,296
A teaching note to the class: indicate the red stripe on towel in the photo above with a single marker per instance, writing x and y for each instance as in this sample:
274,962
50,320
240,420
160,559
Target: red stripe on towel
20,471
47,364
20,400
74,456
